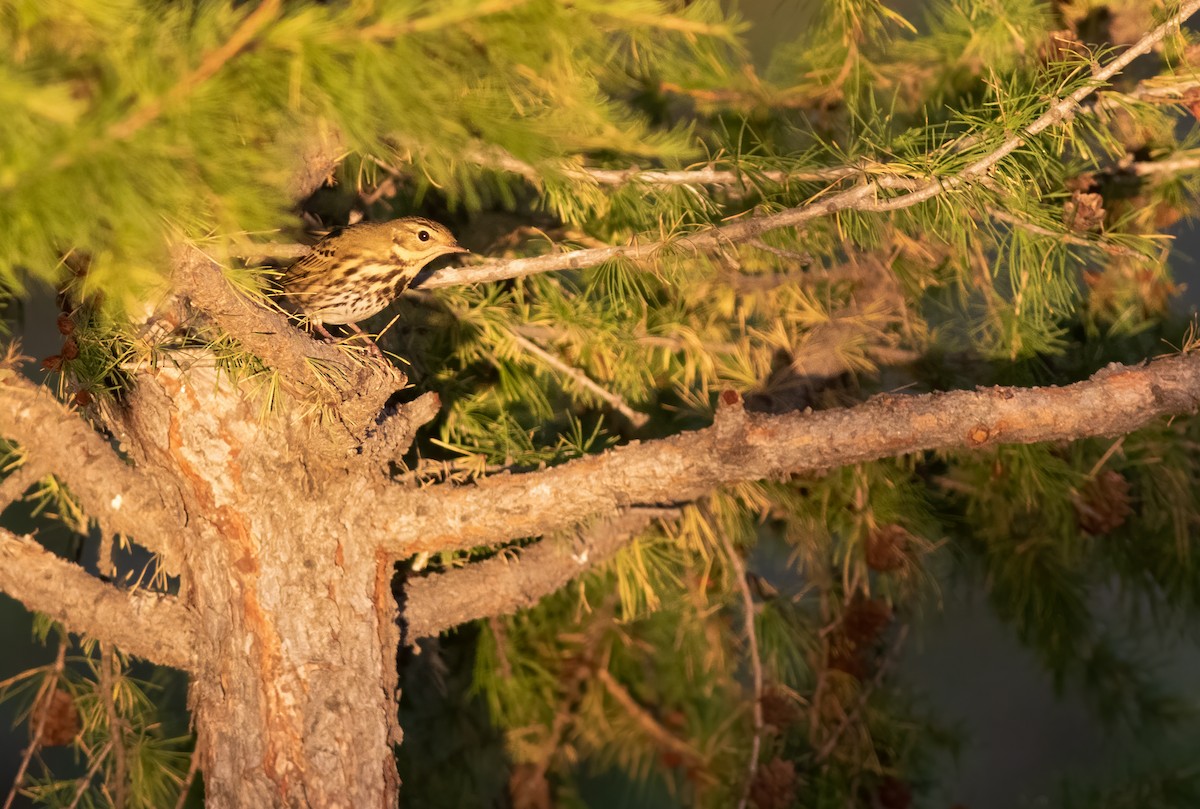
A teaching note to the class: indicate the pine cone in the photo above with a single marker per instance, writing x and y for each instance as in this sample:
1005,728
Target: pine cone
774,785
779,709
61,724
886,548
864,621
1083,212
1103,505
848,660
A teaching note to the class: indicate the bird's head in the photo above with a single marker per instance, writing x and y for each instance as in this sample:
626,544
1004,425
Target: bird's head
418,240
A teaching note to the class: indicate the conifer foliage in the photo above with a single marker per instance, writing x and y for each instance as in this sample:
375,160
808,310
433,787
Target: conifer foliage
750,361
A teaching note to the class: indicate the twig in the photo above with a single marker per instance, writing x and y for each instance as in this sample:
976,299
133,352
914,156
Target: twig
41,703
252,252
707,174
752,446
739,570
193,768
580,378
86,778
56,440
116,726
1107,247
649,725
503,584
154,626
803,259
1184,161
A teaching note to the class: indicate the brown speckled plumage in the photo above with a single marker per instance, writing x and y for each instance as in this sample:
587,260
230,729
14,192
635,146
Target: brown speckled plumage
359,270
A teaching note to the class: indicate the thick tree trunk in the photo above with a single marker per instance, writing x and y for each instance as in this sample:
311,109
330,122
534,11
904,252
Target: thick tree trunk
292,698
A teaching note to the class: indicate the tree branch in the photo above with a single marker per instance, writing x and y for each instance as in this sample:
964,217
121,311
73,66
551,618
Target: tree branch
864,197
615,401
741,447
150,625
756,671
13,487
56,441
506,583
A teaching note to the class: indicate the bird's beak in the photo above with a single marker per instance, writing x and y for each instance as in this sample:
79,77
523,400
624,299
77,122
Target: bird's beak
458,248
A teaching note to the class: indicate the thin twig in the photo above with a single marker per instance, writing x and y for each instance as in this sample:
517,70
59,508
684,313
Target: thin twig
41,704
116,726
193,768
739,570
86,778
651,726
1184,161
1107,247
580,378
706,174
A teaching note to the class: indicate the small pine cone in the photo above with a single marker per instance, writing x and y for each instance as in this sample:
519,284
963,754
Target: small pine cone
53,363
774,785
70,349
66,326
1103,505
779,709
893,793
82,398
1083,211
886,548
864,621
61,724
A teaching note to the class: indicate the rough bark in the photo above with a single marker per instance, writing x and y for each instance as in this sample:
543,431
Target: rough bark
89,606
286,688
122,498
505,584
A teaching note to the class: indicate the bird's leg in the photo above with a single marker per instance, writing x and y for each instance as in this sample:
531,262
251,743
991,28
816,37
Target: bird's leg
371,346
324,332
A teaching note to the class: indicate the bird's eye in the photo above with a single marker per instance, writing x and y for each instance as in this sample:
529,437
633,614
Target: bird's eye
423,235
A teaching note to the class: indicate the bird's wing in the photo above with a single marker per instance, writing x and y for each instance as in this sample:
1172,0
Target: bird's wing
299,279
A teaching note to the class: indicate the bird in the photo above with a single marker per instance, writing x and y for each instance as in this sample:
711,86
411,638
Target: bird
355,272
